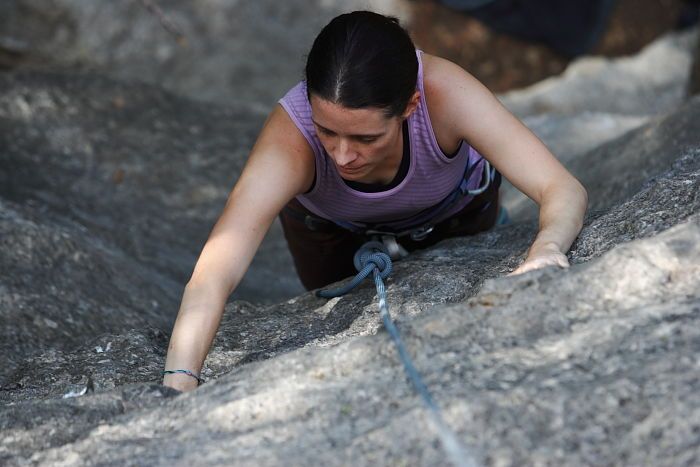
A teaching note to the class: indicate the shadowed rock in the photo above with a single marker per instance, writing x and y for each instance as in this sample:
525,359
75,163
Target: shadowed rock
141,168
238,52
694,81
108,191
58,422
60,285
106,362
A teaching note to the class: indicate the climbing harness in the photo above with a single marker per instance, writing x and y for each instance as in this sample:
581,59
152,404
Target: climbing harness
373,257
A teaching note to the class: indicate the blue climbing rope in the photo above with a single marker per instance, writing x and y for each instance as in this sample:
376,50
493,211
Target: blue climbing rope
373,258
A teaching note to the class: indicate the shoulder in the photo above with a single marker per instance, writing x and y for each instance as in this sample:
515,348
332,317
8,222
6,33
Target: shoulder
443,78
444,81
450,93
281,146
453,96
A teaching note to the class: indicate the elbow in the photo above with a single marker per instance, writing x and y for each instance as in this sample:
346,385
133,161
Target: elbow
582,194
580,200
217,290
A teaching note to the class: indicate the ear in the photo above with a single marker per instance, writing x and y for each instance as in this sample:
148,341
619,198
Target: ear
412,104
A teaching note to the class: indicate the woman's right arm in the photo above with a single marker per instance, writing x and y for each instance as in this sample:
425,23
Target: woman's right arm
280,166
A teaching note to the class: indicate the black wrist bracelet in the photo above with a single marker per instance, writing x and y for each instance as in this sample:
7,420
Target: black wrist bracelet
186,372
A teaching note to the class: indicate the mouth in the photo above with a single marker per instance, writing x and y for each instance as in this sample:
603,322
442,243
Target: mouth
350,170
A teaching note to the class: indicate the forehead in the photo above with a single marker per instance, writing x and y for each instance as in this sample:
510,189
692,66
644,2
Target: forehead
344,120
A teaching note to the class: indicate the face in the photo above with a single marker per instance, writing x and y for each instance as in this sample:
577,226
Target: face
363,143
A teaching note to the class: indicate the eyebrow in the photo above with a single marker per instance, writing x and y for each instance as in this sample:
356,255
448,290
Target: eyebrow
377,135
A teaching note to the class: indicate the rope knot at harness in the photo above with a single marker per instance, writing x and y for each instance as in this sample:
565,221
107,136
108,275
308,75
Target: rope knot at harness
375,254
371,257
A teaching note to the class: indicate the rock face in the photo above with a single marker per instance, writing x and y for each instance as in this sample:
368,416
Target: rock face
598,100
612,172
649,83
217,56
591,366
107,193
108,190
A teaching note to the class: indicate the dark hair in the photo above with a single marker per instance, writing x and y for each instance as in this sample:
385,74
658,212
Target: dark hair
363,59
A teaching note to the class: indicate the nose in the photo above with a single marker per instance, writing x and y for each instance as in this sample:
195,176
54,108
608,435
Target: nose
343,153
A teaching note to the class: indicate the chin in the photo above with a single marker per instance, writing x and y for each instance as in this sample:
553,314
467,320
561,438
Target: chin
350,177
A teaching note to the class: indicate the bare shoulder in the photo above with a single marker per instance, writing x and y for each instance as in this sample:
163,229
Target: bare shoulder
437,69
280,132
282,145
444,81
451,94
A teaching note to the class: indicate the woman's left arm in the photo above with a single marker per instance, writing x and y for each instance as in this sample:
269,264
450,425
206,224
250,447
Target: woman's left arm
469,111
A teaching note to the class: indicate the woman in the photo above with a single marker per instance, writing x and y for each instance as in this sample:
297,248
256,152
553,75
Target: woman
374,138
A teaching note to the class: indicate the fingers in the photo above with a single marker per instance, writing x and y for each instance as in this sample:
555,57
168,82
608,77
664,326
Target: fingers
562,261
541,262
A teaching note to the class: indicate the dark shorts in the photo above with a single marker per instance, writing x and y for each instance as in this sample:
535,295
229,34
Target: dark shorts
323,252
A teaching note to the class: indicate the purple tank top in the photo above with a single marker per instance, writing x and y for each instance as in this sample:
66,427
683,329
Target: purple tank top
431,176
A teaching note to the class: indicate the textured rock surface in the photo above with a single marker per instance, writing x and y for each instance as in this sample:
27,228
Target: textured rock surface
598,100
586,367
141,168
615,171
594,366
61,421
218,57
60,284
650,83
107,191
101,364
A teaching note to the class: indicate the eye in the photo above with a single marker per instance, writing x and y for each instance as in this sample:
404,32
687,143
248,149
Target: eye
325,131
367,139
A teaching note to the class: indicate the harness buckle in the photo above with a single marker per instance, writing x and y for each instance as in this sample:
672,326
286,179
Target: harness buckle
313,223
487,178
421,233
393,248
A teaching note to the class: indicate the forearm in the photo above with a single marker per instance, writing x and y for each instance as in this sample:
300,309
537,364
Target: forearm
194,330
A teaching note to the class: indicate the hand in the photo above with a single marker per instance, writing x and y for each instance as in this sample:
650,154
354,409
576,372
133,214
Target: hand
548,255
180,382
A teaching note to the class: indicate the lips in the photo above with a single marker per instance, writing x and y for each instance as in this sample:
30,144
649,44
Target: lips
350,169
